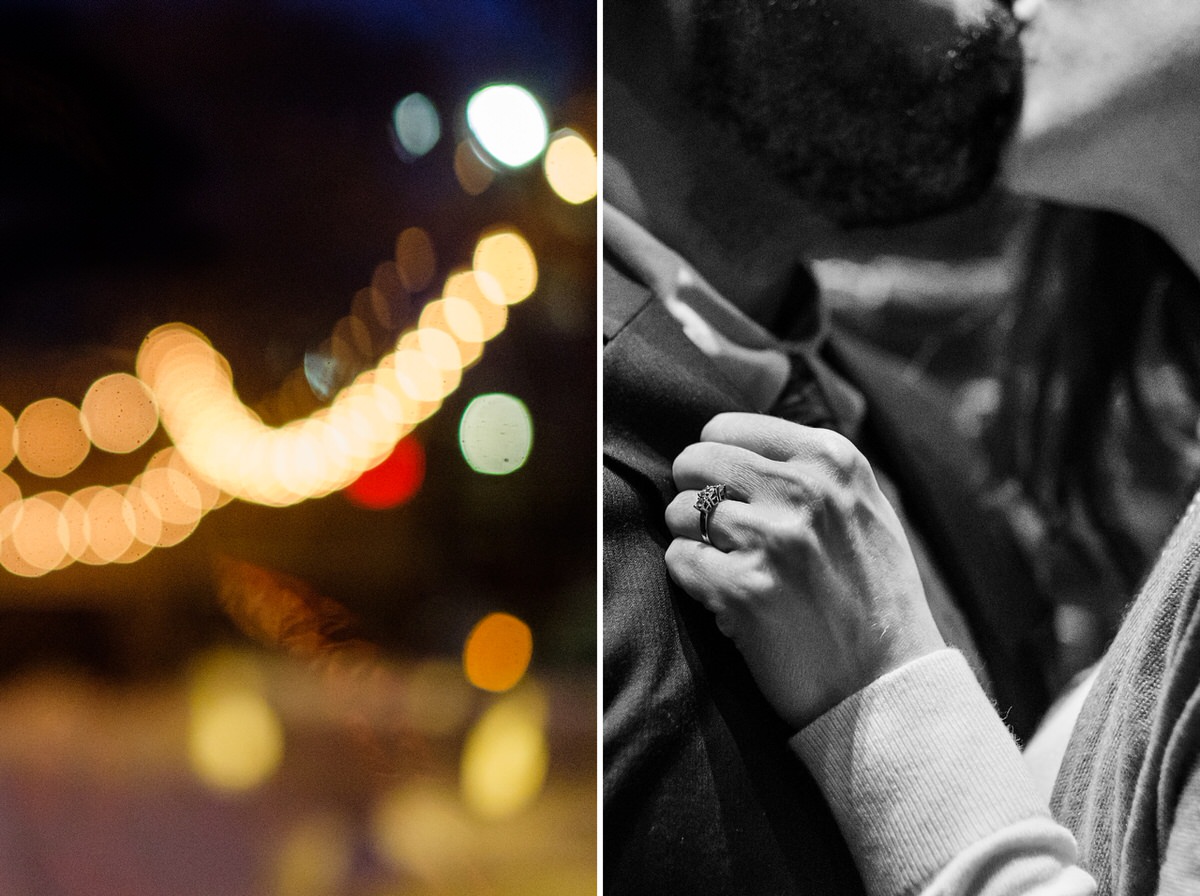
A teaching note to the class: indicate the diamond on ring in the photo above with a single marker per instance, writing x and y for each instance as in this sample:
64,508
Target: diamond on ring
706,501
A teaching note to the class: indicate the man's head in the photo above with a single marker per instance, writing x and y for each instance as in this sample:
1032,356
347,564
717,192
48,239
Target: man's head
873,111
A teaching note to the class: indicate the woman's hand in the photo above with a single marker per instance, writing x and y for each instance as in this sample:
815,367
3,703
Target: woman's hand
808,570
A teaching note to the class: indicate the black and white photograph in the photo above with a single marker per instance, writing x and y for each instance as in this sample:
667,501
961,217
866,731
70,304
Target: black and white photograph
901,357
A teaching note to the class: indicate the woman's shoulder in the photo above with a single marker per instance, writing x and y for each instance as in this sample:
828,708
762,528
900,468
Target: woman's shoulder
1135,752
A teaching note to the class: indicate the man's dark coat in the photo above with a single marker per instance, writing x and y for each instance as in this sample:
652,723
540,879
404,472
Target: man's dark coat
701,793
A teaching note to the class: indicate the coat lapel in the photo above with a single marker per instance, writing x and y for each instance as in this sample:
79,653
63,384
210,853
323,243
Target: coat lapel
659,389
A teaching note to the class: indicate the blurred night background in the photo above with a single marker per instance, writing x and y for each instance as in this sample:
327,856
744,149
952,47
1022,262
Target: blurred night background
246,644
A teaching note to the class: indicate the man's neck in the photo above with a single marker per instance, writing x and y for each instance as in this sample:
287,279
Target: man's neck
695,189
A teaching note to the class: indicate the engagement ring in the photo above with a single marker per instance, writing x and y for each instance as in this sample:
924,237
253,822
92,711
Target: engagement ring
706,501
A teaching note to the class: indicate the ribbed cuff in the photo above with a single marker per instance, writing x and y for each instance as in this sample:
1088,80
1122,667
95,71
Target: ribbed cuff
917,767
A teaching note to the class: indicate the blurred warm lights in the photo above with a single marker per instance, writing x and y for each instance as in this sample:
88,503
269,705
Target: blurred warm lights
118,413
505,758
221,449
509,124
421,829
418,127
110,523
387,295
497,652
50,440
415,260
8,448
235,738
459,318
9,490
506,257
228,446
484,314
37,535
570,167
496,434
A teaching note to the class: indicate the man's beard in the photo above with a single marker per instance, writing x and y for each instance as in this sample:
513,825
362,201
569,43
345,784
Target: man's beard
870,133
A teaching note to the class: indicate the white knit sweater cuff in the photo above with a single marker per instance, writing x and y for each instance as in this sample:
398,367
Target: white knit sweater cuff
917,767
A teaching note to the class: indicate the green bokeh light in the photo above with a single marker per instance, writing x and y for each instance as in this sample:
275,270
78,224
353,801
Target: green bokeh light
495,434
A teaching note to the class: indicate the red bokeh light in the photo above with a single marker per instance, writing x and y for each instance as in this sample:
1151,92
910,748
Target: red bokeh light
392,482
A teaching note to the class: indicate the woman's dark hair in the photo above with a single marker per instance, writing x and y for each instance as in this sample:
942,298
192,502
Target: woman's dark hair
1102,387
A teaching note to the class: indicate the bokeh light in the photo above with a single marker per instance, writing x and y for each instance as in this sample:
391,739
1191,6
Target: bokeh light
10,557
9,490
509,124
418,126
50,440
473,174
570,167
505,757
321,372
315,858
416,262
222,449
421,829
229,447
39,535
147,523
118,413
8,428
497,652
110,524
235,738
458,318
388,297
392,482
496,434
487,313
506,258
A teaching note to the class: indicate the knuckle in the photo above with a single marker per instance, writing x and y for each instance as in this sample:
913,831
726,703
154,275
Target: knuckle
786,531
757,578
762,583
719,427
685,461
840,457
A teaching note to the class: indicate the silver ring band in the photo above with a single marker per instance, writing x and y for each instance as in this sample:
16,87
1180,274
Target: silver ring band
706,502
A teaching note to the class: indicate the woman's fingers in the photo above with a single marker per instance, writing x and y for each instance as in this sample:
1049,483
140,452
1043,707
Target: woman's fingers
704,573
708,463
783,441
771,437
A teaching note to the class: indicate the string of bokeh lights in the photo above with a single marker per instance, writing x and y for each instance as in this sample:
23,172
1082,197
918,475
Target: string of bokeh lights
221,449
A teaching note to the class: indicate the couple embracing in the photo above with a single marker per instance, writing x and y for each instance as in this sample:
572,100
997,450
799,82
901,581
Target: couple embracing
822,648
